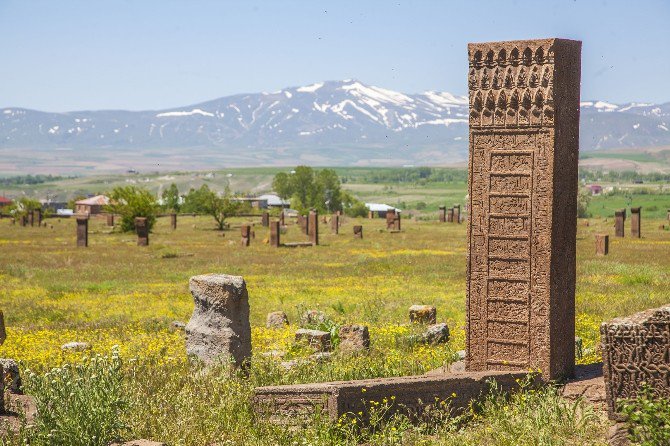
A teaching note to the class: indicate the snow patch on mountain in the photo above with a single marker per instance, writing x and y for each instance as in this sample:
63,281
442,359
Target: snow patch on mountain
175,114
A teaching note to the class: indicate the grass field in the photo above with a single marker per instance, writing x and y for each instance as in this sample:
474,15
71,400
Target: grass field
117,294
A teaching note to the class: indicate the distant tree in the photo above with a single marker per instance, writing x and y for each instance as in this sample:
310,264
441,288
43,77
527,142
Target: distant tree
206,201
281,185
23,206
171,198
353,207
308,189
583,200
130,202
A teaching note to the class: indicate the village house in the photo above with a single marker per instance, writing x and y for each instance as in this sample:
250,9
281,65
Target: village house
4,201
91,206
379,209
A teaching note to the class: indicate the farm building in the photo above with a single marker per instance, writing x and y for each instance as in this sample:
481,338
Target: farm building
4,201
265,201
379,210
93,205
596,189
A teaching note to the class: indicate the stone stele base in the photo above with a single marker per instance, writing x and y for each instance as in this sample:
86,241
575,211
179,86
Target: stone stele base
413,395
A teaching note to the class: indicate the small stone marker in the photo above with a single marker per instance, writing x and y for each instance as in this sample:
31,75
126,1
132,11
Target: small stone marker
275,234
82,231
422,314
110,219
76,346
443,214
142,230
276,319
219,328
354,338
636,350
619,219
317,339
371,214
390,219
38,216
31,218
524,146
335,224
436,334
173,221
636,222
457,213
602,244
312,317
450,215
246,235
265,219
24,220
358,231
313,227
282,219
11,374
3,331
302,222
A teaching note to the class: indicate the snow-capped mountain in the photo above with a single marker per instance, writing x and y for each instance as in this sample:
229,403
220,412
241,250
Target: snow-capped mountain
336,122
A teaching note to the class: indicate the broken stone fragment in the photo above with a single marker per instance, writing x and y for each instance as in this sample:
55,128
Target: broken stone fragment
219,329
276,319
422,314
312,317
354,338
12,377
317,339
76,346
436,334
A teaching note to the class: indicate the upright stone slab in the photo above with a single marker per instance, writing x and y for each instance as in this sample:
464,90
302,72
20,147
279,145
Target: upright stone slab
302,222
443,214
619,219
602,244
524,130
173,221
457,213
274,234
313,227
246,235
636,222
82,231
390,219
265,219
636,350
31,218
335,224
110,219
450,215
219,329
38,216
142,229
282,219
358,231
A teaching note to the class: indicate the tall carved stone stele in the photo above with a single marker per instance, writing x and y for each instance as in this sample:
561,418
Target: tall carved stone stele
619,220
275,234
245,232
524,130
142,229
82,231
335,224
457,213
173,221
636,222
265,219
443,214
313,227
636,350
450,215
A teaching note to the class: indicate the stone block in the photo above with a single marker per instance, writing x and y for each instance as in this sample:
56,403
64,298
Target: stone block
636,222
11,374
619,223
82,232
275,234
358,231
317,339
173,221
276,319
313,227
436,334
602,244
219,328
422,314
636,350
354,338
142,229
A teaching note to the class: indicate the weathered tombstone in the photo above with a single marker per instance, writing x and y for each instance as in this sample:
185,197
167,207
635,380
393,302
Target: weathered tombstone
282,219
23,220
302,222
457,213
38,216
265,219
636,352
274,234
396,225
358,231
142,230
313,227
173,220
390,219
372,214
246,235
524,130
636,222
335,224
443,214
110,219
82,231
602,244
619,219
354,338
276,319
31,218
219,328
3,331
422,314
450,215
317,339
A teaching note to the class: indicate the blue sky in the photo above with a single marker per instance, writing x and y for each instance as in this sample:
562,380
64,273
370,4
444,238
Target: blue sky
152,54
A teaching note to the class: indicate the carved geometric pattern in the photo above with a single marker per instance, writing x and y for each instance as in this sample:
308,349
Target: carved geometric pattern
636,350
518,318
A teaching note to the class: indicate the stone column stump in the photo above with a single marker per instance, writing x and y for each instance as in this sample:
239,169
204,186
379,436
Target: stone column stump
246,235
142,230
82,232
275,234
335,224
110,219
602,244
636,222
619,219
313,225
443,214
265,219
219,329
173,221
358,231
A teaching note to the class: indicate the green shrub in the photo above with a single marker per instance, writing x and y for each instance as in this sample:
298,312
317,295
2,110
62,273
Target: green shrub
649,418
79,404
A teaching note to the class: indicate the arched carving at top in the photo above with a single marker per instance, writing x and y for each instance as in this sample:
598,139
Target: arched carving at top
509,79
534,80
502,57
527,58
514,57
539,55
490,59
497,79
485,82
477,59
521,78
